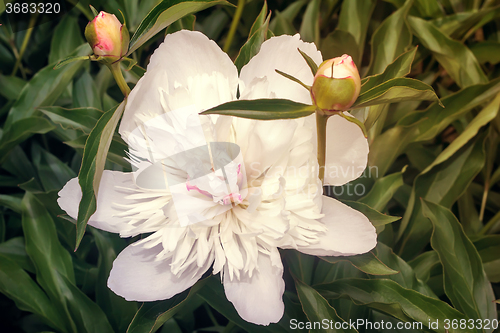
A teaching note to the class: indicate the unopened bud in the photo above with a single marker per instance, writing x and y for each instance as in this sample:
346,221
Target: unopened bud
336,84
107,37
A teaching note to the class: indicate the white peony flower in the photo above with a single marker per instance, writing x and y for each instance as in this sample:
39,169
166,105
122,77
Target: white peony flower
230,204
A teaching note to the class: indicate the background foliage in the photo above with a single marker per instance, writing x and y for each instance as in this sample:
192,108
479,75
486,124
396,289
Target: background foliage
436,168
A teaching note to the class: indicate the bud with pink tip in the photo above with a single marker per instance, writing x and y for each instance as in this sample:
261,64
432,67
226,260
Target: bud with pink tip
336,84
107,37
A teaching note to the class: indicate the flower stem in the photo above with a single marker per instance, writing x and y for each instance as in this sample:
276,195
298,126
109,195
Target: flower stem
26,39
321,120
234,25
120,80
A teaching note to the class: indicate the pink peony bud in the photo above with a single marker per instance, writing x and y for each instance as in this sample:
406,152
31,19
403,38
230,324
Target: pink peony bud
107,37
336,84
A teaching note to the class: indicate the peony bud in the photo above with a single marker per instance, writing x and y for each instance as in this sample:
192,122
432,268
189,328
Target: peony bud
336,84
107,37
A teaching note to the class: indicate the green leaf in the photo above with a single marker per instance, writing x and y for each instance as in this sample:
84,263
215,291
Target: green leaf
16,284
383,190
54,270
486,115
367,263
152,315
282,22
43,89
164,14
443,184
118,311
390,39
487,51
312,65
398,68
260,20
185,23
83,119
406,276
264,109
354,19
465,282
252,45
488,248
396,90
294,79
94,157
21,130
309,29
424,125
376,218
389,297
424,263
317,309
11,201
14,249
11,86
63,62
85,92
455,57
340,42
66,38
53,173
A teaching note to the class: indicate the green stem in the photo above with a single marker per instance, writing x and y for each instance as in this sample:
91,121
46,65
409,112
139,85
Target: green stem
120,80
234,25
321,120
25,43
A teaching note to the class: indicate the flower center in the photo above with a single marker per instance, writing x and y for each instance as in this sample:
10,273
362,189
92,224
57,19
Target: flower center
222,186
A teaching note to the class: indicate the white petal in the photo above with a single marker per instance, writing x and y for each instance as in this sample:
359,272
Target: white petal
112,191
279,53
190,69
258,299
136,276
263,143
346,150
349,232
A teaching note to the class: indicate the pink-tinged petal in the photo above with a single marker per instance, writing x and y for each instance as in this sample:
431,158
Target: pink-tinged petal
279,53
258,299
112,192
349,232
136,275
186,69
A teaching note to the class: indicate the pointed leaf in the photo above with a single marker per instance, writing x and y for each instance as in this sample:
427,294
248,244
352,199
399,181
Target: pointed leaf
465,282
83,119
390,39
389,297
455,57
164,14
396,90
264,109
367,263
317,309
94,157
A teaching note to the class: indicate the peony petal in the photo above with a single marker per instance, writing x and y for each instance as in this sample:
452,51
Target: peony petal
349,232
279,53
136,275
112,192
263,143
346,150
190,69
258,299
